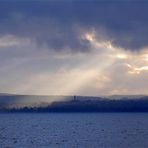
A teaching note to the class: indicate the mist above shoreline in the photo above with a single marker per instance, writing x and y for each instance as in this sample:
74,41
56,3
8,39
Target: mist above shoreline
36,103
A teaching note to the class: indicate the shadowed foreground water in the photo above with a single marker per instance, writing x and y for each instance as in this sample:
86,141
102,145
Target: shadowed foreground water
74,130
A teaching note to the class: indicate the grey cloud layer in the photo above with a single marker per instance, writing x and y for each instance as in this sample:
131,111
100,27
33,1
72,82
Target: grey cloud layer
58,25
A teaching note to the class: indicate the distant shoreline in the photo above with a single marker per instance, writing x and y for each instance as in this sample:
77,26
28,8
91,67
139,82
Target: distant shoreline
72,104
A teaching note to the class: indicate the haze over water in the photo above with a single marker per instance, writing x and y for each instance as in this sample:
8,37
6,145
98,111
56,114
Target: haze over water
73,48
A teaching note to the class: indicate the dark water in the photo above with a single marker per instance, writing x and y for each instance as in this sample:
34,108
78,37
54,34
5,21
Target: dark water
74,130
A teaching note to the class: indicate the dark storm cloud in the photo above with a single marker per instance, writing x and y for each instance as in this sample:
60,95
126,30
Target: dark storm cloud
58,24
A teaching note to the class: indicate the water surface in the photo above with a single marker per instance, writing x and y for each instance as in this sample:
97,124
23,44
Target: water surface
74,130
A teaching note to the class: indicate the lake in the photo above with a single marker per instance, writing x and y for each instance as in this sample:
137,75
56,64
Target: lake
74,130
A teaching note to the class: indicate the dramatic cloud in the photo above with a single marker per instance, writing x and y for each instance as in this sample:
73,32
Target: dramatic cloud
74,47
60,25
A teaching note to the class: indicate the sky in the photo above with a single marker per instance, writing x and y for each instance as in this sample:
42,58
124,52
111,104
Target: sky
67,47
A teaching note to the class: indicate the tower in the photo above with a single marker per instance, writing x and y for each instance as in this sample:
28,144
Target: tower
74,98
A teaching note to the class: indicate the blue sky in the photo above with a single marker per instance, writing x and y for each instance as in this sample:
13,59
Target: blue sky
74,47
